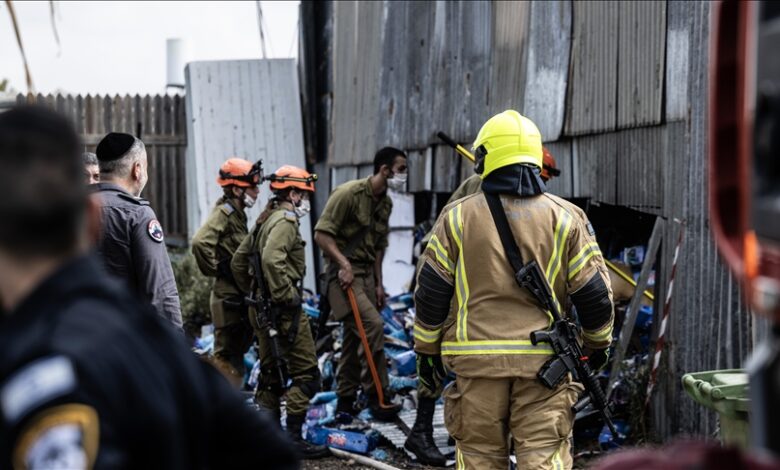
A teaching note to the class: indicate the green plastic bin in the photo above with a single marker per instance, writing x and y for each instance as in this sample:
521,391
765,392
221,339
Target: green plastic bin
725,391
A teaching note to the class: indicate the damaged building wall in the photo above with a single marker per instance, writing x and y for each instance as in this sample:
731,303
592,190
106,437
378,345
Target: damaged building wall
619,92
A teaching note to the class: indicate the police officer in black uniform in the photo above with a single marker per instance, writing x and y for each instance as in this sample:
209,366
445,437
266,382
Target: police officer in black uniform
131,242
89,376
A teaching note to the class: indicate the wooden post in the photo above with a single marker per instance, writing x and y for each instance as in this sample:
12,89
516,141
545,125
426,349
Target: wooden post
633,307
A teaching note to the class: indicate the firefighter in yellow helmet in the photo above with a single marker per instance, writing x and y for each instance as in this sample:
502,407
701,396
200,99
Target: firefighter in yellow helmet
473,184
420,441
213,246
285,344
485,337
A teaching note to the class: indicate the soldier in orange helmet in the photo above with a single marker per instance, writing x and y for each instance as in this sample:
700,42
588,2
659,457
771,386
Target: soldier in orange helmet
288,356
213,246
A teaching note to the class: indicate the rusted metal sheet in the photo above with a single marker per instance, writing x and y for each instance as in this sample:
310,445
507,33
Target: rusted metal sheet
357,62
591,100
392,126
678,38
416,45
549,45
427,70
709,327
595,162
446,169
420,163
640,62
341,175
640,156
475,21
365,171
460,56
510,49
563,185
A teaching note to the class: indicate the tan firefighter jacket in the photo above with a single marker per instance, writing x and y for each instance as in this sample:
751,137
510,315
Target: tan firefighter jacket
487,331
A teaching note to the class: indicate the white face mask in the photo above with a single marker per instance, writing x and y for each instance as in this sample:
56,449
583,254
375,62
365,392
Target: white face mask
303,208
397,182
249,201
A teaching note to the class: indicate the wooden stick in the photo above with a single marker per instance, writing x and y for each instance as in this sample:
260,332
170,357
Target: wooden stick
633,307
342,454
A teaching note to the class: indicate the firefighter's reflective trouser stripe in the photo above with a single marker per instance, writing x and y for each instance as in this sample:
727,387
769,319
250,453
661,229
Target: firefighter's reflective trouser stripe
480,413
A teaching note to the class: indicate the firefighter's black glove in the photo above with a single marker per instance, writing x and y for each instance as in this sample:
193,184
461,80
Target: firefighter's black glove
430,372
598,359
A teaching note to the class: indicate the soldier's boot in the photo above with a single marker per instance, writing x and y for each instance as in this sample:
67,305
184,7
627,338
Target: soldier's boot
346,405
420,441
306,450
388,413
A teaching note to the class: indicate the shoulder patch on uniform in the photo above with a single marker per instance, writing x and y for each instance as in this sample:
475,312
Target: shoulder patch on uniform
135,200
154,229
290,215
39,382
590,229
65,436
227,208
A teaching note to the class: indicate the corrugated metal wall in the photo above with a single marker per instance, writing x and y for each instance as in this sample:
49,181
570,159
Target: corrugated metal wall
591,99
548,67
249,109
618,90
711,326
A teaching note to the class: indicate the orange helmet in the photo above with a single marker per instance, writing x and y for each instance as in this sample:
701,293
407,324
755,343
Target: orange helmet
240,172
289,176
549,168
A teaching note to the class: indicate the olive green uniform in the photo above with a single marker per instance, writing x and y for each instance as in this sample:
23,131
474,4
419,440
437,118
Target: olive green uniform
359,223
213,246
472,185
280,246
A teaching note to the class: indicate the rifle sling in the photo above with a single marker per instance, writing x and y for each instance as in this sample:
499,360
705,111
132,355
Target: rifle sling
260,285
505,232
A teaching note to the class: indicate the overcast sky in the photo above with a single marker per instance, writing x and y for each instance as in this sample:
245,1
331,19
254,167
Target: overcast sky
119,47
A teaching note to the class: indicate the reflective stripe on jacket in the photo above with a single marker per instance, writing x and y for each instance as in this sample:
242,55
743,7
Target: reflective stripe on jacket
487,332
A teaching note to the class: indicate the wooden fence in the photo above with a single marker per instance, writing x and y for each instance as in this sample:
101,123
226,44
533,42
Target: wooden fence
157,120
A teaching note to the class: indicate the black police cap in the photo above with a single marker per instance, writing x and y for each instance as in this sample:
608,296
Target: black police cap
114,146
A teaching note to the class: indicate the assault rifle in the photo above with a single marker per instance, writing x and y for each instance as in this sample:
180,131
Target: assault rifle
562,335
266,316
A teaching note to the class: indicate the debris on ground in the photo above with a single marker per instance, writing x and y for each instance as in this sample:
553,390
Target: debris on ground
383,442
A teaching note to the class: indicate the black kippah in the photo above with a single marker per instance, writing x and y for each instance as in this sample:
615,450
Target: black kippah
114,146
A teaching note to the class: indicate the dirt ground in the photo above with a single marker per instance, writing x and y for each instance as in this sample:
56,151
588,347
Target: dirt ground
399,459
396,458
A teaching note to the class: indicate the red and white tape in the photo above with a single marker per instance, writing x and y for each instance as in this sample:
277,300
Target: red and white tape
659,344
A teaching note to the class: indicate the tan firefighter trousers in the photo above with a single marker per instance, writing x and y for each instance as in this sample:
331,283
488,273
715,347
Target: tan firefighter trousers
481,413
